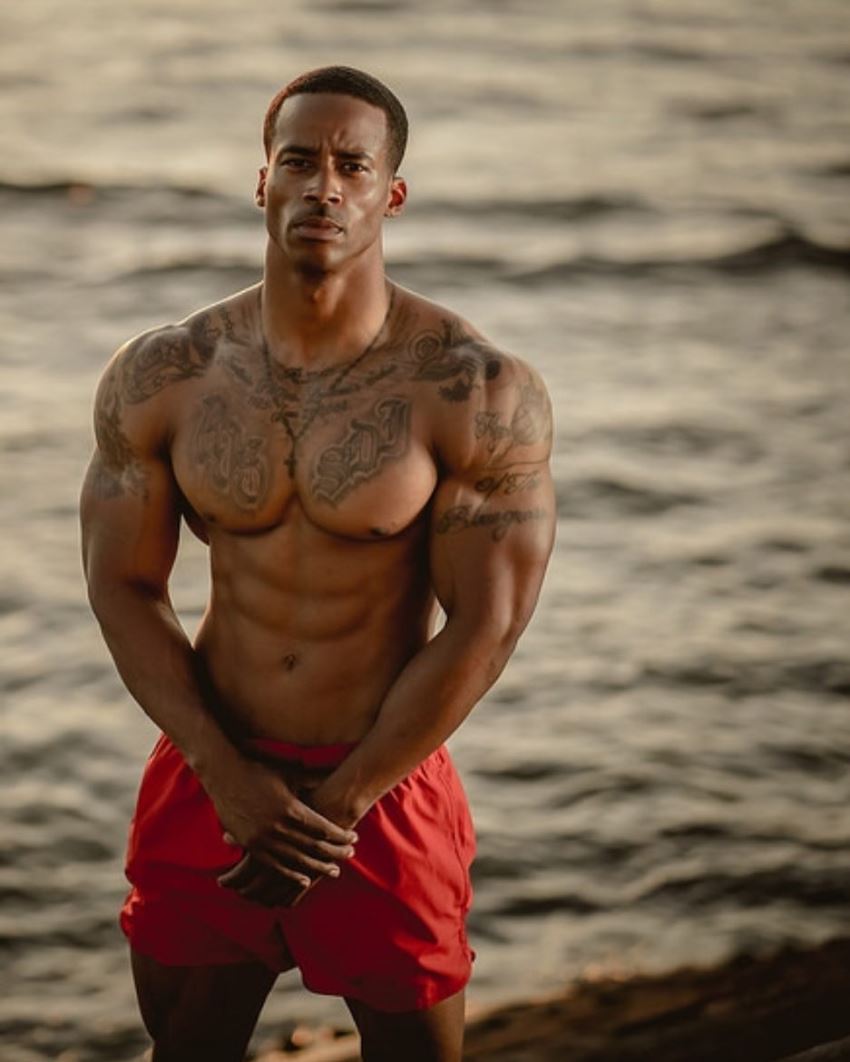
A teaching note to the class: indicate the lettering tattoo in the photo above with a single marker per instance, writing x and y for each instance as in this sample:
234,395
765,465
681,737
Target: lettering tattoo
498,522
116,469
529,423
235,462
382,435
508,483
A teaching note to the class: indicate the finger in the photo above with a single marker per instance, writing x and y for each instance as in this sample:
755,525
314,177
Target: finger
317,826
285,857
270,890
312,848
249,870
239,874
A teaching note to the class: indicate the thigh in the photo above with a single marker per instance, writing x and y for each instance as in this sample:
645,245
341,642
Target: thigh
431,1035
200,1011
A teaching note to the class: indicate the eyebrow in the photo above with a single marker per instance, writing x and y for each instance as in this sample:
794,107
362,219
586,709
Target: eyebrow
308,152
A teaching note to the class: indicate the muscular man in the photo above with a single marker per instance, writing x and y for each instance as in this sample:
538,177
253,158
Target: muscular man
354,456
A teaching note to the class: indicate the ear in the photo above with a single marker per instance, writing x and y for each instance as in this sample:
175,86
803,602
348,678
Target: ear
260,194
396,198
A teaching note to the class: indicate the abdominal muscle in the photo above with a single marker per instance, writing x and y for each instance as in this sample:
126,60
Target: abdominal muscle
305,631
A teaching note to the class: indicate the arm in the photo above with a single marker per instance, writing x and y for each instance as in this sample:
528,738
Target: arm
130,521
492,527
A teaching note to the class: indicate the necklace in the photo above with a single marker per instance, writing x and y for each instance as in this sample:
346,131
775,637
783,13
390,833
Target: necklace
318,397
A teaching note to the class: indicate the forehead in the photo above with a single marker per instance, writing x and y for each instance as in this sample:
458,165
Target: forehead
319,118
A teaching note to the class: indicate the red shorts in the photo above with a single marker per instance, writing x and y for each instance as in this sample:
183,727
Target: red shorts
390,931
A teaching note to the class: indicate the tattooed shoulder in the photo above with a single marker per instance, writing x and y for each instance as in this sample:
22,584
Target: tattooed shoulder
169,354
116,469
515,416
447,353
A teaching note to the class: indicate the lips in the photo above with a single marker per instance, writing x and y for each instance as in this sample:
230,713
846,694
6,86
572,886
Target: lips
317,228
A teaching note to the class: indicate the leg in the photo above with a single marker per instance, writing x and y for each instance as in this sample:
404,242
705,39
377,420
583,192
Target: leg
200,1012
432,1035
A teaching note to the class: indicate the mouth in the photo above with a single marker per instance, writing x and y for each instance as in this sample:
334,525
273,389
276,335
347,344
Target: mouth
317,228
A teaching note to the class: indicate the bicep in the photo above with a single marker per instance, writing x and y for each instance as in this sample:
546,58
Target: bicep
491,536
129,511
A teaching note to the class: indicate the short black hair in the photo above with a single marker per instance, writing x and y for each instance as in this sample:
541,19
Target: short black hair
346,81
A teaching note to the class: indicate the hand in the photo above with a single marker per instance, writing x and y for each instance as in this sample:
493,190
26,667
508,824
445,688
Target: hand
257,882
260,812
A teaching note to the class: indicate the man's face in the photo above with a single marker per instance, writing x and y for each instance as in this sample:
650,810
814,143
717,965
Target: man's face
328,186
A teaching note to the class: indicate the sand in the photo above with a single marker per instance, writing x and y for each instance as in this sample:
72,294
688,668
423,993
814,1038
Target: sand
790,1005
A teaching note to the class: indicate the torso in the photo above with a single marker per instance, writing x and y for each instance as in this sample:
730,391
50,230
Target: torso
313,490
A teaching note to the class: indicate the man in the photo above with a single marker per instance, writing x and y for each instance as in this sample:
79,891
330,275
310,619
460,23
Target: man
354,455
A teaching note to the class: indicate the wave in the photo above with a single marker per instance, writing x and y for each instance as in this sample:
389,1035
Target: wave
80,191
787,250
743,678
570,209
592,495
809,886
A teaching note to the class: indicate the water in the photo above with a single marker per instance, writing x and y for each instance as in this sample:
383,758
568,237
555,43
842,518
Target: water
649,202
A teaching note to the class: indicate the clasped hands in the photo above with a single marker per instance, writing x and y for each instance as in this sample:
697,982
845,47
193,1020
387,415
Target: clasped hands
289,844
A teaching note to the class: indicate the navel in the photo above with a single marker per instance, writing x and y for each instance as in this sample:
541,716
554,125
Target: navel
289,661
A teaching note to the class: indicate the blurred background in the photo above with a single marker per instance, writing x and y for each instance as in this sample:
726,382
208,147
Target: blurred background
649,201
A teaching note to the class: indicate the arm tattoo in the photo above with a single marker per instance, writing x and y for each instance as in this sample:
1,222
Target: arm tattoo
529,422
117,470
508,483
463,517
234,462
175,354
382,435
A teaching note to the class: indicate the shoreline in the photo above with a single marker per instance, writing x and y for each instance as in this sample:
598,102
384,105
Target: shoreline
752,1009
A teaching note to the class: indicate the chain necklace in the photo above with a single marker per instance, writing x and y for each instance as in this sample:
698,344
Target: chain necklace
318,398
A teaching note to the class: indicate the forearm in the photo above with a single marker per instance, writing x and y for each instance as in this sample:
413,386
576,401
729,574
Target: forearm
431,697
162,671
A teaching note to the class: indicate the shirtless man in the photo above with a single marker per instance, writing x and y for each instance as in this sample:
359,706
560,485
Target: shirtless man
354,456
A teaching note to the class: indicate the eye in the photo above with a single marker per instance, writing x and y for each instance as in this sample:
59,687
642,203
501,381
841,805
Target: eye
294,162
353,167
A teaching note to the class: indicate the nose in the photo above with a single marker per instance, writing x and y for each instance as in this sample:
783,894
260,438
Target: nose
324,187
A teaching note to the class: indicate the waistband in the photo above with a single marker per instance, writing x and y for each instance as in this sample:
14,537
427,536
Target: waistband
306,755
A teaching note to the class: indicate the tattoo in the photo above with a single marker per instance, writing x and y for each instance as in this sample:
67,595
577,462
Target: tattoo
528,424
462,517
175,354
382,436
235,463
118,470
451,354
508,483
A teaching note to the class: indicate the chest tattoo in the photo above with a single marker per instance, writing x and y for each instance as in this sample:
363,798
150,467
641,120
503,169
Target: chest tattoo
382,435
234,461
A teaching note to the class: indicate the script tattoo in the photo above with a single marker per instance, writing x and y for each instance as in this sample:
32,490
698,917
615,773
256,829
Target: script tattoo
529,422
371,441
508,483
463,517
453,358
173,354
235,463
117,470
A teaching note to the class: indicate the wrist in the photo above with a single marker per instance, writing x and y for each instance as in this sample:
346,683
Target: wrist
345,809
212,756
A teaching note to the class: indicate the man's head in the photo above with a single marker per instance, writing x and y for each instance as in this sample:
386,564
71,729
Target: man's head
345,81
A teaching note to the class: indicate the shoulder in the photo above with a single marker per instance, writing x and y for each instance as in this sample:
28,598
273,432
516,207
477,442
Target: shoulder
167,355
488,405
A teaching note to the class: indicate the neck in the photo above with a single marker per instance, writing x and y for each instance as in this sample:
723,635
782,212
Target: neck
312,319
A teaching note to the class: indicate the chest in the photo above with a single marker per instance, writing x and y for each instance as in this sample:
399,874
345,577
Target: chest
354,459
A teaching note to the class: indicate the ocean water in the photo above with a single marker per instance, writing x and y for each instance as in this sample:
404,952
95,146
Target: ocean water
649,201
